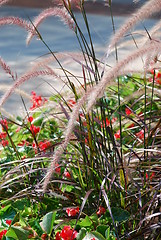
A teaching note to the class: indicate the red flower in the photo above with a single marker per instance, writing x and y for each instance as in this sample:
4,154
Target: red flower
44,236
101,211
151,176
157,77
117,134
107,123
3,135
128,111
140,134
4,143
93,239
2,233
57,168
57,236
158,80
68,234
72,211
71,103
67,174
131,125
23,143
114,119
4,124
37,101
8,221
34,129
30,119
44,145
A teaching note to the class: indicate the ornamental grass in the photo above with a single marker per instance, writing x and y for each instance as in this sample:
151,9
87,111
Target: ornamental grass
85,164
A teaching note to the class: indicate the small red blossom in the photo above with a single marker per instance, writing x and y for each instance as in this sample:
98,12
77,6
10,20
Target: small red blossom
131,125
3,233
101,211
157,77
68,234
57,168
57,236
4,124
44,145
37,101
3,135
151,176
72,211
93,239
71,103
67,174
158,80
117,134
140,134
34,129
23,143
4,143
114,119
105,123
8,221
44,236
30,119
128,111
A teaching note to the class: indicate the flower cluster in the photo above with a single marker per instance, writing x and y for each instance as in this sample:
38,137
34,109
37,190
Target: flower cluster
4,124
3,232
157,77
37,101
66,234
3,135
42,145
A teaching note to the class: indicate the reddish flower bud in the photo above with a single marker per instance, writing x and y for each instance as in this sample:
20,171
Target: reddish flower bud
3,233
128,111
8,221
140,134
101,211
117,134
67,174
68,234
34,129
72,211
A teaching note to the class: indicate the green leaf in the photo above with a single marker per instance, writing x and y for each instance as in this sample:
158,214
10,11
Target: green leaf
7,212
81,234
38,121
120,214
102,229
21,204
86,222
17,233
95,235
48,221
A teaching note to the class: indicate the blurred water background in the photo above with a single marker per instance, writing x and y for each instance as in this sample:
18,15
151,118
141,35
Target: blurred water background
58,37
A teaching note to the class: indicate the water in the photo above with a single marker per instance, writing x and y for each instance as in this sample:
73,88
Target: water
57,36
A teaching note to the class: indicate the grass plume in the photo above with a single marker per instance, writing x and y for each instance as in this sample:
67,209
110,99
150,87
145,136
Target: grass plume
58,12
145,11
